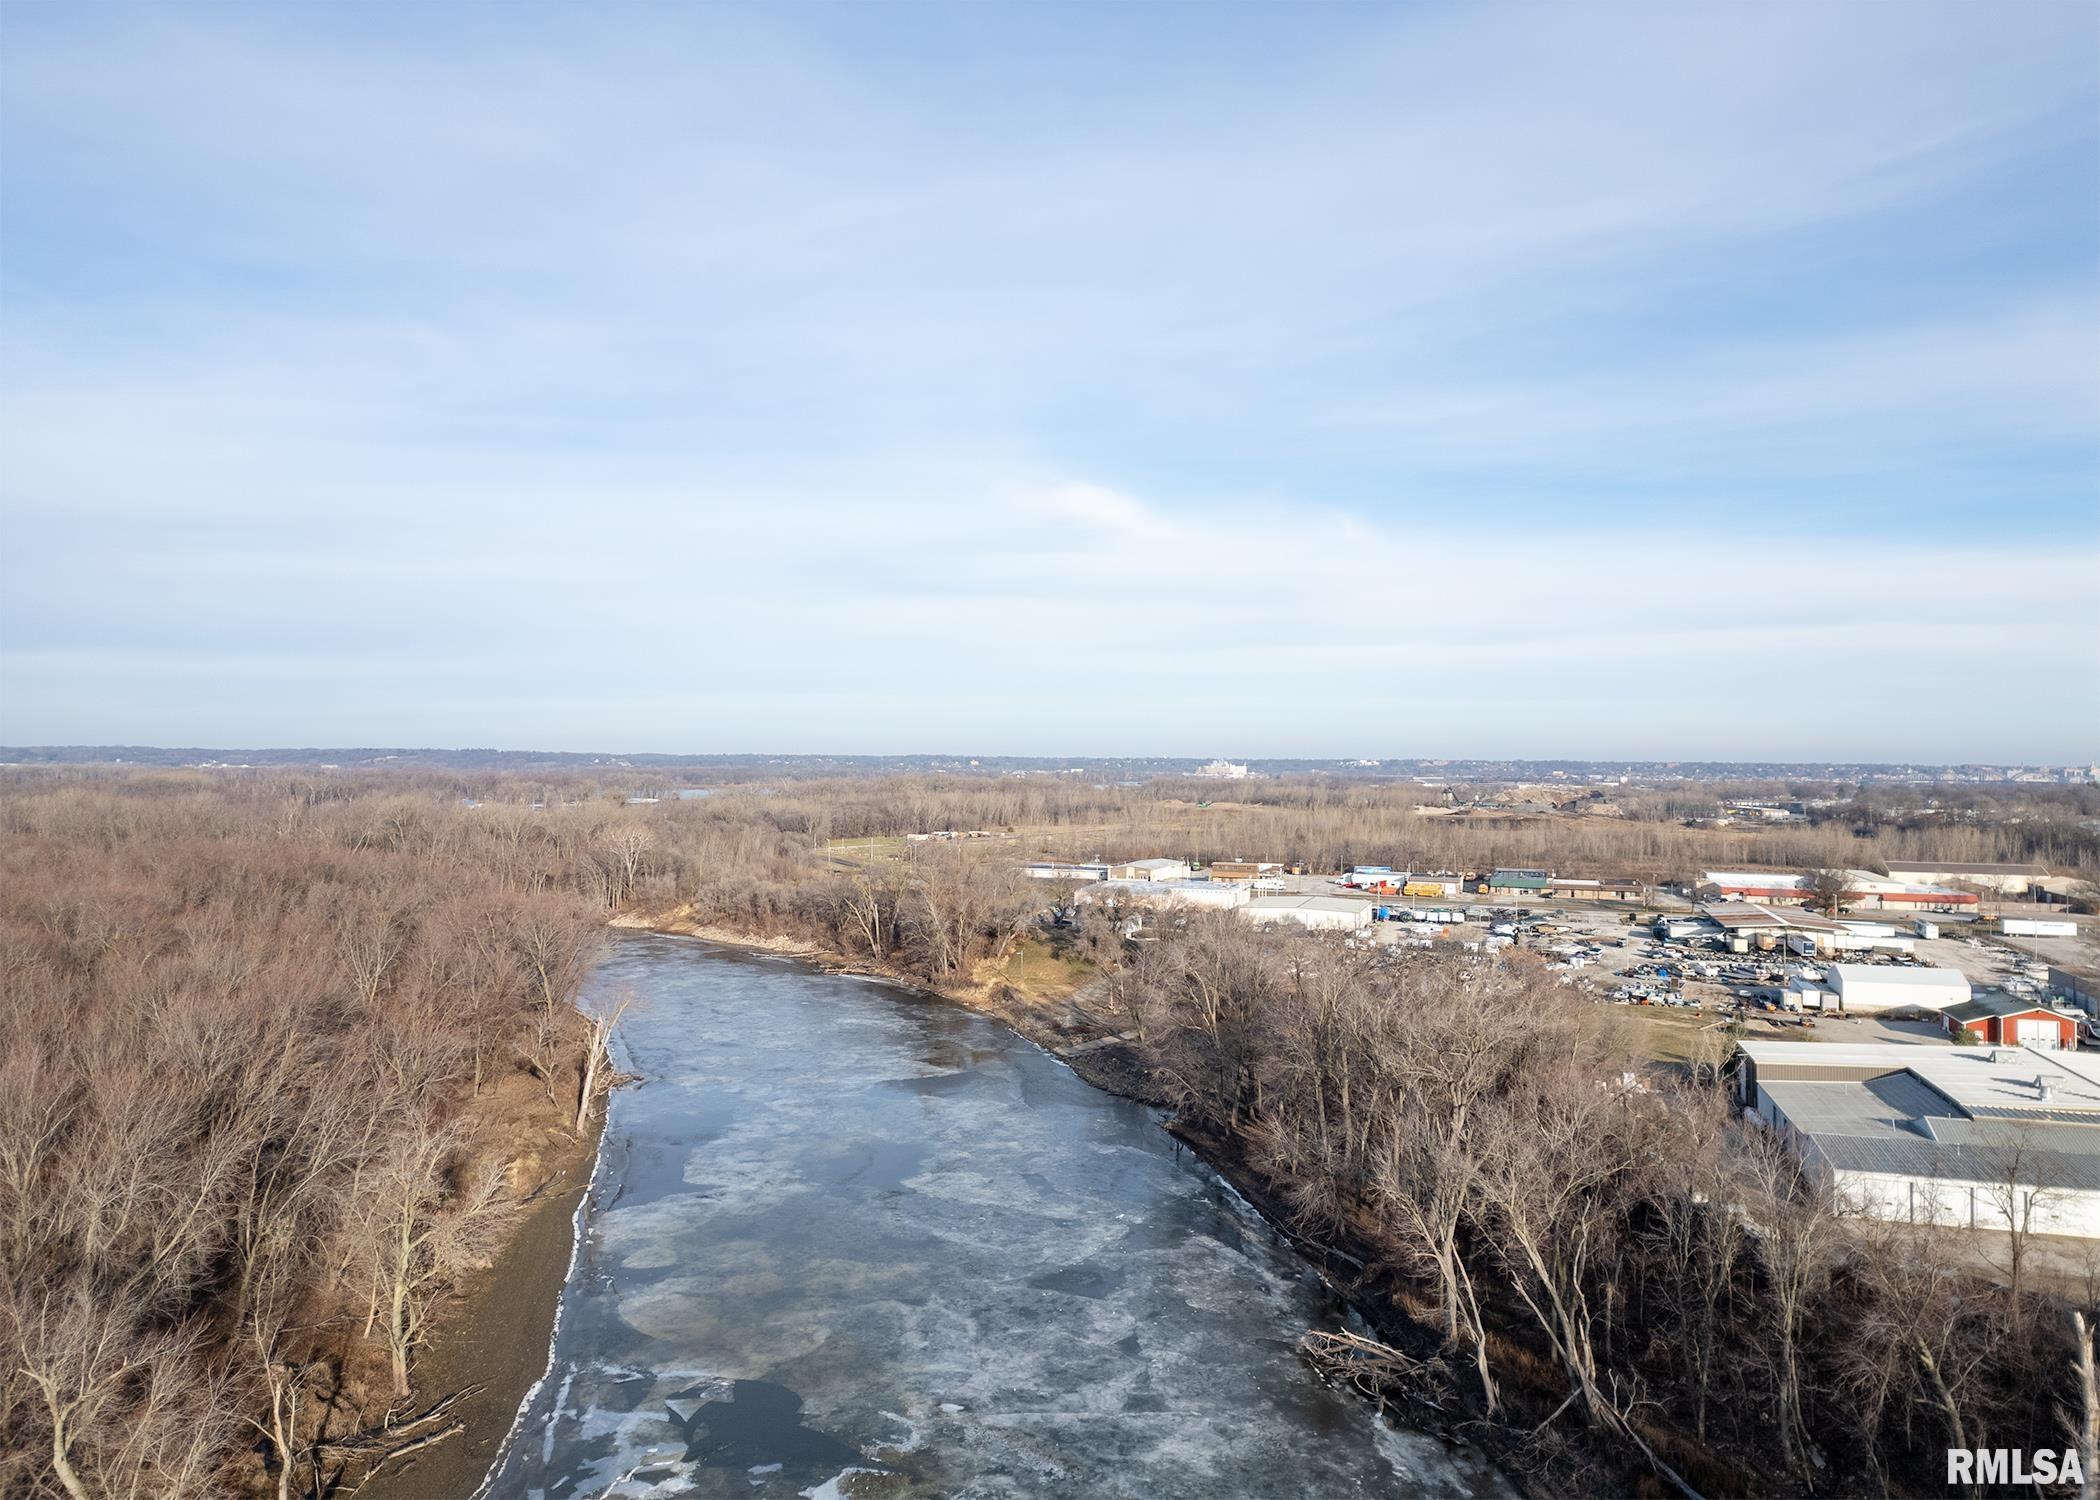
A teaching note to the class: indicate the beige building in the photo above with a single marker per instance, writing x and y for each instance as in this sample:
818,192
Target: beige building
1151,869
1325,913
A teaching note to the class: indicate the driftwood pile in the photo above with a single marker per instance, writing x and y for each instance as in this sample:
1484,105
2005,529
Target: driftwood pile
1378,1371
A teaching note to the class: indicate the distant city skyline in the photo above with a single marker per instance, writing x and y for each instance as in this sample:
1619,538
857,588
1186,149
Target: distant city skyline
1642,381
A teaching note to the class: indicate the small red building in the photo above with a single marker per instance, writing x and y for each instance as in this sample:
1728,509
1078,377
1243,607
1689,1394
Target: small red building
2006,1021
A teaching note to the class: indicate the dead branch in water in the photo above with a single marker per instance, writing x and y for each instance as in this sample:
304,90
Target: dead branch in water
1376,1370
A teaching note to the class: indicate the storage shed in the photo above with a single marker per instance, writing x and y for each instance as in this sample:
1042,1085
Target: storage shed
2007,1021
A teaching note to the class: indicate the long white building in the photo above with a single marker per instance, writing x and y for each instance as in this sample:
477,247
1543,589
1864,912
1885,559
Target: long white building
1333,913
1167,894
1865,988
1956,1136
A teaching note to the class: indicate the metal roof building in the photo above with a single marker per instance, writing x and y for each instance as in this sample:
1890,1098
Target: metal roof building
1167,893
1754,885
1151,869
2006,879
1748,916
1959,1136
1050,869
1327,912
2013,1021
1873,987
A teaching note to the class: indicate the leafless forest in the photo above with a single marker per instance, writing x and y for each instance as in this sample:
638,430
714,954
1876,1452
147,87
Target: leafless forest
1598,1274
267,1057
281,1052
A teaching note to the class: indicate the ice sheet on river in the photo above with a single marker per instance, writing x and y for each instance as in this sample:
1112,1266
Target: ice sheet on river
847,1241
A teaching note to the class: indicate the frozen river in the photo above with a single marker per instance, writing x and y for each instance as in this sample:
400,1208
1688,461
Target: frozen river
850,1241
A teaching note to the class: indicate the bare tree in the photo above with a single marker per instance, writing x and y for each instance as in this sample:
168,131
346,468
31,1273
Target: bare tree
423,1224
1827,890
2021,1192
602,1012
1797,1244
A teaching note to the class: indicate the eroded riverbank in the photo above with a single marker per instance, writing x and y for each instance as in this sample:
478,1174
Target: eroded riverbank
846,1236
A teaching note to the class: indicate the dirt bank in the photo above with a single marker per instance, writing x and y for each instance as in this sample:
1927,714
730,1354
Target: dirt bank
496,1332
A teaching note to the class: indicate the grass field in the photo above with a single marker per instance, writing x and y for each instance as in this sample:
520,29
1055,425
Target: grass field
1038,972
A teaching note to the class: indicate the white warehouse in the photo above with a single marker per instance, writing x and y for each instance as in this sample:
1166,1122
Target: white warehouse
1871,987
1964,1137
1166,894
1324,912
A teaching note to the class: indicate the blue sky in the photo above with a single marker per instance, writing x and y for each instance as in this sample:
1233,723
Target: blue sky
1281,380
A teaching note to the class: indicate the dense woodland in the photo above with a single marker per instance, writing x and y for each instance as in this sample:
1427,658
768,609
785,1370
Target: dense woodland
281,1049
265,1060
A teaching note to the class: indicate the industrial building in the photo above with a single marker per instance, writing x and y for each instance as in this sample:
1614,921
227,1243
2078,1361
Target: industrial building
2004,879
1432,887
1515,883
1739,918
1241,869
1569,888
1327,913
1969,1137
1168,894
2080,989
2006,1020
1052,870
1387,881
1753,885
1747,925
1863,888
1152,869
1866,988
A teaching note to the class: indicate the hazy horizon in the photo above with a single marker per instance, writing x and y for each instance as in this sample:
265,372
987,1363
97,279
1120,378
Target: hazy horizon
1265,381
1363,759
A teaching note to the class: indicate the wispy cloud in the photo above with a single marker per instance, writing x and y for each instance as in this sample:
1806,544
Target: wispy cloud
1353,379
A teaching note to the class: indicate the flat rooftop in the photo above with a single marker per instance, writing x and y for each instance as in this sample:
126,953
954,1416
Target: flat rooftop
1900,868
1973,1079
1307,903
1748,916
1915,977
1899,1125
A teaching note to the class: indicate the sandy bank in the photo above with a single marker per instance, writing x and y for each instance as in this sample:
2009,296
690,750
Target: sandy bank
496,1331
